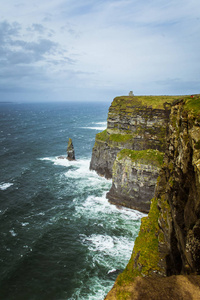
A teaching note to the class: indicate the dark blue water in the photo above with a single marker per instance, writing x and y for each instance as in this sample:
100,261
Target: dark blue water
59,237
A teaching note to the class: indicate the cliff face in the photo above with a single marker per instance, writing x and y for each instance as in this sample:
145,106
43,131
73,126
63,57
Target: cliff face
134,177
136,123
179,187
169,238
128,150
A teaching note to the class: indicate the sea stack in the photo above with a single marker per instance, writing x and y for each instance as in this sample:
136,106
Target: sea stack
70,150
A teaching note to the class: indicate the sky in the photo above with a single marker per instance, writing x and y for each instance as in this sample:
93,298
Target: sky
94,50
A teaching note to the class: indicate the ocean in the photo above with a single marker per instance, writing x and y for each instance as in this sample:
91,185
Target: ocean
59,236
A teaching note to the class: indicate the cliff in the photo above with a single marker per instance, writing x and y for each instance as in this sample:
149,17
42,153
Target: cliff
134,177
168,243
130,150
135,123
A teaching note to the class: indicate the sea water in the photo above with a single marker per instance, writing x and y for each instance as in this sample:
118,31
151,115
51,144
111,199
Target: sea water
59,236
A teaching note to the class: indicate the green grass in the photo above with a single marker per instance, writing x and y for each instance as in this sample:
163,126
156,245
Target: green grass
193,105
145,156
102,136
156,102
145,255
119,138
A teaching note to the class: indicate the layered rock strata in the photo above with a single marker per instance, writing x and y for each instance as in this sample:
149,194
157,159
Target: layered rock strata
136,123
134,177
169,239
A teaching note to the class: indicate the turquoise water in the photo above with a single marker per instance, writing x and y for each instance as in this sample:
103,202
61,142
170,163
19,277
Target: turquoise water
60,238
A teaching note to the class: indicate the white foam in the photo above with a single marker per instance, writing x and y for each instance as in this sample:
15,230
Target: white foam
13,233
97,290
101,126
41,214
67,163
130,213
78,169
101,204
24,224
111,271
88,179
95,128
99,242
4,186
101,123
112,246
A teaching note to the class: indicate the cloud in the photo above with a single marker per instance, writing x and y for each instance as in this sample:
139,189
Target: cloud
112,46
20,51
13,49
38,28
7,31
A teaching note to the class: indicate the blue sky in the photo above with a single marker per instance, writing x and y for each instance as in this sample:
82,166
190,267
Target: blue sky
64,50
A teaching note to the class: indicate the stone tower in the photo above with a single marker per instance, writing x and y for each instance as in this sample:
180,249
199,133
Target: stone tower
131,93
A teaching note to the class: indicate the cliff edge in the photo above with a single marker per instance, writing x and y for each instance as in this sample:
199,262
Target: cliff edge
136,123
167,249
130,150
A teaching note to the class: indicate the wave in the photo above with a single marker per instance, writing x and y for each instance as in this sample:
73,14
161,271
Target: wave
103,126
78,169
109,243
12,232
5,186
112,246
115,245
101,123
57,161
94,128
79,163
101,204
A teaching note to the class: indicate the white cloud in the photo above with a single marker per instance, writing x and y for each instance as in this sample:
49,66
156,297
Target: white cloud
76,47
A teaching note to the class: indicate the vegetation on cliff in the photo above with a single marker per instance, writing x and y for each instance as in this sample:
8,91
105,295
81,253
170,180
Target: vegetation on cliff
192,104
135,123
169,241
155,102
145,256
119,138
149,156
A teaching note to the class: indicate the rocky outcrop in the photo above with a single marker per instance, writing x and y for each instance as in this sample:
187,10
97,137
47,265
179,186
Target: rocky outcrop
136,123
70,150
134,178
169,239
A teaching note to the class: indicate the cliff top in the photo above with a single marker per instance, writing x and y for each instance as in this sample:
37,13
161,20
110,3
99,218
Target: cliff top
193,105
156,102
152,156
